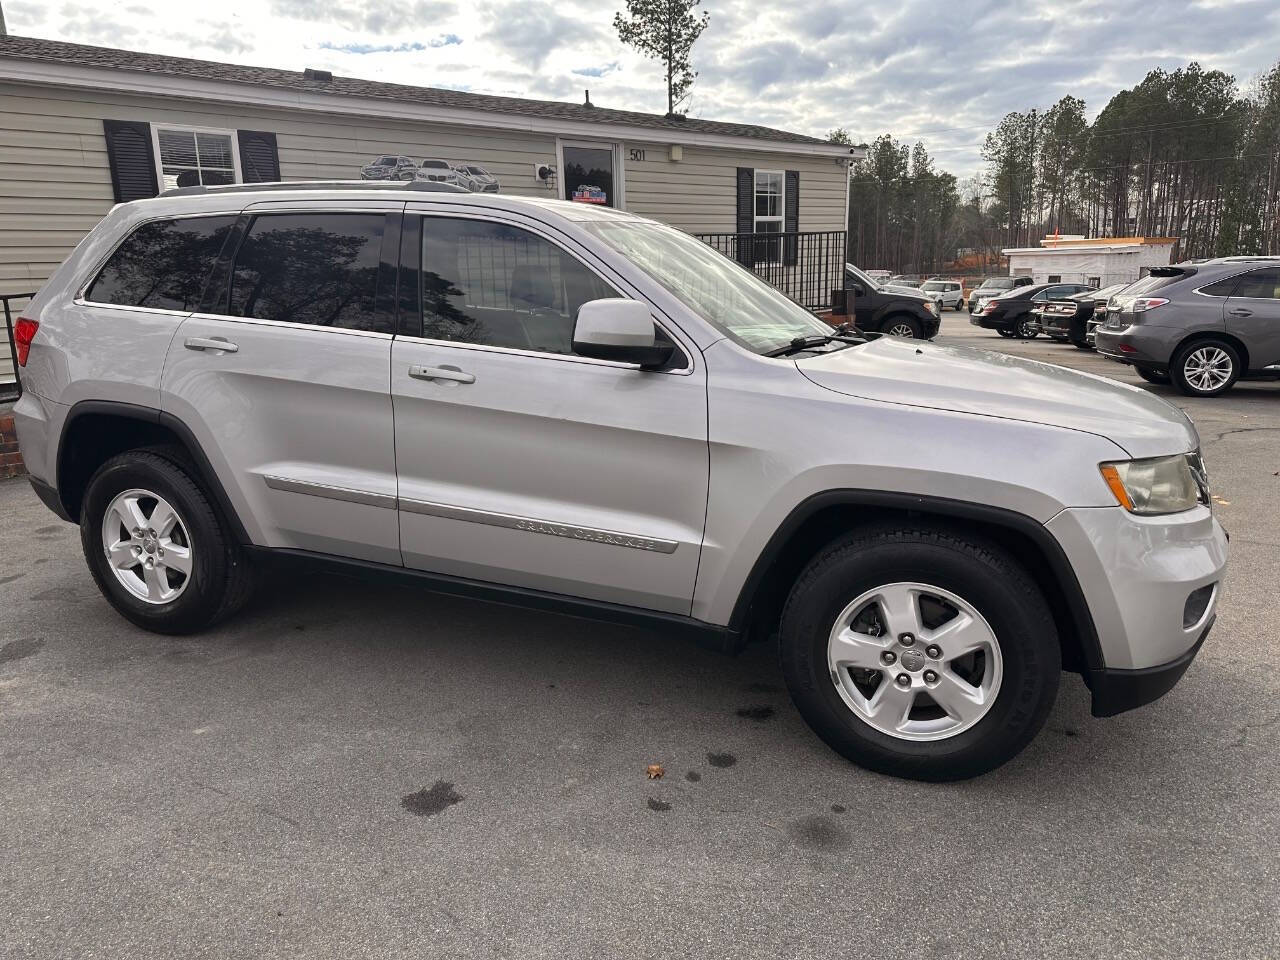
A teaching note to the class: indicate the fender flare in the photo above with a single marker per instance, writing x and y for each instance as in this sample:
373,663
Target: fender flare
942,507
132,411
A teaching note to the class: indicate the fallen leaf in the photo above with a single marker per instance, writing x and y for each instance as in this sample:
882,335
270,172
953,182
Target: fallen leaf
1218,499
655,771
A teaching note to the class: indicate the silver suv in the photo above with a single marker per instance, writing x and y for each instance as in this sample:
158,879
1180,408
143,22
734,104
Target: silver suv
1202,326
559,405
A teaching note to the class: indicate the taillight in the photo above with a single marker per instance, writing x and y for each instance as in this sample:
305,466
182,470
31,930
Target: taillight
24,331
1143,304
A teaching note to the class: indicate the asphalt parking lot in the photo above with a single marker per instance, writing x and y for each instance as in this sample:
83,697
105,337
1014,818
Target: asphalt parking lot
362,770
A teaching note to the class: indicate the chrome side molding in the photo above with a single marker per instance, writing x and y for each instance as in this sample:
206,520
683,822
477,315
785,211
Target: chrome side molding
469,515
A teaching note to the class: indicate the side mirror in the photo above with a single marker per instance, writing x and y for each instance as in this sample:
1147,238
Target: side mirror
856,289
620,330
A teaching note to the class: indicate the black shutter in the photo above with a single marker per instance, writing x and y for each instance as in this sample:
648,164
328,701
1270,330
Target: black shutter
259,158
746,214
791,218
132,161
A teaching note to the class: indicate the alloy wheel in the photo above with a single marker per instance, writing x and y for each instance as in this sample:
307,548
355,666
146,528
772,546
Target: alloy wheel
147,545
901,329
1207,369
915,661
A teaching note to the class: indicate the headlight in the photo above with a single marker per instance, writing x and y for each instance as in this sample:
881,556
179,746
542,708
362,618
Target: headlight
931,307
1158,485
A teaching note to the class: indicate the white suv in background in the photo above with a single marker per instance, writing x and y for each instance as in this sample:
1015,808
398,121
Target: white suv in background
560,405
946,293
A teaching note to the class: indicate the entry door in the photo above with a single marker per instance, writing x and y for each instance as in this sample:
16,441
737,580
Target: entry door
522,464
284,379
1252,313
590,173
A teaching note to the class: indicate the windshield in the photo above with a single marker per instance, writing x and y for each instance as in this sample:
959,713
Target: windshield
729,297
860,277
935,285
997,283
384,162
478,171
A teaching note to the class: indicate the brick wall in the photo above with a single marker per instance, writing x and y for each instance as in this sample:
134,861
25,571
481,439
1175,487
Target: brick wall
10,458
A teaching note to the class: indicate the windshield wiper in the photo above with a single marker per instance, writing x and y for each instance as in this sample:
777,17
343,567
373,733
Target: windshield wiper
800,344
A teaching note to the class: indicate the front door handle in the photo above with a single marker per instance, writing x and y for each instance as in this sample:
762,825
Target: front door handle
210,343
1240,312
441,373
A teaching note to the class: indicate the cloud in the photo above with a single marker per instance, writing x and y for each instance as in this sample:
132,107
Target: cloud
376,17
532,33
448,40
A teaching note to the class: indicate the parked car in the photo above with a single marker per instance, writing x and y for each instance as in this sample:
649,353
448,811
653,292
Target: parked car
389,167
1068,319
482,181
440,171
897,311
879,276
1202,326
993,287
946,292
224,375
901,281
1009,313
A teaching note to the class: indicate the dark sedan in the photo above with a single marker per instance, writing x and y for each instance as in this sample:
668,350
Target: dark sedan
1009,314
1069,319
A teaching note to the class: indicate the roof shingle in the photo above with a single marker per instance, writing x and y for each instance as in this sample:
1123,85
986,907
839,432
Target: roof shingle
55,51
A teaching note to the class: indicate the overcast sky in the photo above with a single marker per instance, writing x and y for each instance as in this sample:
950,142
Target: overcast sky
943,72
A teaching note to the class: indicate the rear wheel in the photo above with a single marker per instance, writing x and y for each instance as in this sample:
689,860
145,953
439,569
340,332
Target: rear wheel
1027,328
1007,332
919,653
157,548
903,327
1205,368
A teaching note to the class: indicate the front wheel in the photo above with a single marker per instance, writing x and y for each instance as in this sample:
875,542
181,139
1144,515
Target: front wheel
1205,368
157,548
920,653
903,327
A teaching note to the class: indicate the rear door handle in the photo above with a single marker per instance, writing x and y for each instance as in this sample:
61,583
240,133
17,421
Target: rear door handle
210,343
1240,312
441,373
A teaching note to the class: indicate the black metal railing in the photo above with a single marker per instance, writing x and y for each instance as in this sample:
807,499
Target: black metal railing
12,391
804,266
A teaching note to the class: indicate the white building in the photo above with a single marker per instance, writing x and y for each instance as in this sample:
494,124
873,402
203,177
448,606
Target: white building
1100,262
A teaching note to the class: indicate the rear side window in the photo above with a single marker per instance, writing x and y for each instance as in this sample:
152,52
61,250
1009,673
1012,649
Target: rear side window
1259,285
1221,288
319,269
163,264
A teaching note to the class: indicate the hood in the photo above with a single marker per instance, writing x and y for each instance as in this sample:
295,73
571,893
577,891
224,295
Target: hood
907,293
961,379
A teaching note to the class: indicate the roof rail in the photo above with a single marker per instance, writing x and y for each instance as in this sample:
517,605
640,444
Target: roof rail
417,186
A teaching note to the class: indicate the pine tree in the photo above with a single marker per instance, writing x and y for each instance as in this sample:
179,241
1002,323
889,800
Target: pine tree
664,30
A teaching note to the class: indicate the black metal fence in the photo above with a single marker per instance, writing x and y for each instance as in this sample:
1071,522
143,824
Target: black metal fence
10,302
804,266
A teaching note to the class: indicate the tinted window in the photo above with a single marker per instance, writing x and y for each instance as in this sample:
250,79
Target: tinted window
1260,285
1221,288
499,285
163,264
314,268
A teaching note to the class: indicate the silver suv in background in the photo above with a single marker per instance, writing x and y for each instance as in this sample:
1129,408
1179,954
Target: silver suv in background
1201,326
559,405
946,293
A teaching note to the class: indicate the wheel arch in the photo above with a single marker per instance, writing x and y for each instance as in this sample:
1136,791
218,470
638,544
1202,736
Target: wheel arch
96,430
1201,335
823,517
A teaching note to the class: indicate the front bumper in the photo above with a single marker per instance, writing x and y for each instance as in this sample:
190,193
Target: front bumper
1137,575
1115,691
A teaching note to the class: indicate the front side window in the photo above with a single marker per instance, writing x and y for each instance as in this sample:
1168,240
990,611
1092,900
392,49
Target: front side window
193,157
163,264
1259,285
498,285
319,269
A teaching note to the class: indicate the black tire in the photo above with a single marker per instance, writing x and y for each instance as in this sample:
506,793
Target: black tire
1152,376
989,580
1024,328
221,577
1178,374
917,332
1007,332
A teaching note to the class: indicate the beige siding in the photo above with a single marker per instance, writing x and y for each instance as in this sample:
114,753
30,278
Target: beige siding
55,182
699,192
